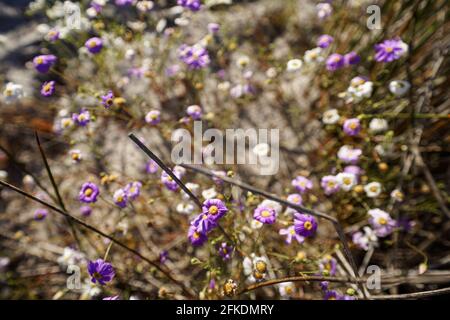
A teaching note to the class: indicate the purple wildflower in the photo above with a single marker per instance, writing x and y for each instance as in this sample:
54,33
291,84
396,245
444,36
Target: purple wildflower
331,295
290,233
351,58
100,271
82,118
85,211
356,170
215,208
195,112
108,99
265,214
53,35
88,193
133,189
153,117
111,298
48,88
302,184
204,223
330,184
348,154
327,266
169,182
381,222
213,27
295,198
196,56
390,50
335,62
352,126
193,5
122,3
94,45
225,251
172,70
43,63
120,198
196,237
305,225
40,214
151,167
163,256
324,10
324,41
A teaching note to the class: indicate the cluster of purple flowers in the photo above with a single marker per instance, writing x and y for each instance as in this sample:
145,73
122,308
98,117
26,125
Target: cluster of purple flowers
196,56
212,211
131,191
336,61
193,5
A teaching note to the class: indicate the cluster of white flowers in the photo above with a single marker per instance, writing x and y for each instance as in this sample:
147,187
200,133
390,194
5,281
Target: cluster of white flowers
359,89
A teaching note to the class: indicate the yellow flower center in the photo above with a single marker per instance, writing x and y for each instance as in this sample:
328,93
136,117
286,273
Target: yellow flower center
307,225
196,235
347,181
92,44
389,49
213,210
47,87
88,192
39,60
265,213
288,289
353,125
292,232
331,184
261,266
382,221
373,189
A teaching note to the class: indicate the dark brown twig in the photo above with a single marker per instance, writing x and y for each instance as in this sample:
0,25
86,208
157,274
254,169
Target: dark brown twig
162,165
185,289
56,190
22,167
